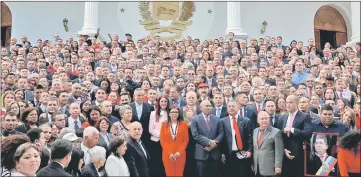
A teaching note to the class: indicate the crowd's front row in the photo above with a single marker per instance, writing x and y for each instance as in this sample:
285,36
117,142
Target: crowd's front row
221,146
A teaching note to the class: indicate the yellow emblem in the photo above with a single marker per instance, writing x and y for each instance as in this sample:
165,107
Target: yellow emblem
166,11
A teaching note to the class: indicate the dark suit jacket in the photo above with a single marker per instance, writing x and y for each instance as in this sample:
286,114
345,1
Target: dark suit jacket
302,131
54,169
67,123
246,130
251,114
144,119
275,123
224,112
138,164
89,171
214,83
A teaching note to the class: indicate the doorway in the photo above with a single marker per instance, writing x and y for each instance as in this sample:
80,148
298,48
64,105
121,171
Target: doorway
6,22
329,26
328,36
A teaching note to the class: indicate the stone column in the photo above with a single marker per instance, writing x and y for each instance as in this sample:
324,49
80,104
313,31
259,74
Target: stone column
90,19
355,23
234,20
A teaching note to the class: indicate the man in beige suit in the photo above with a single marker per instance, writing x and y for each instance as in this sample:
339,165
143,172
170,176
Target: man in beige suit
267,147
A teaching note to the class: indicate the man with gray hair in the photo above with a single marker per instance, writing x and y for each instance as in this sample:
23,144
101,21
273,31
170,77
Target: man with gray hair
97,159
90,140
141,113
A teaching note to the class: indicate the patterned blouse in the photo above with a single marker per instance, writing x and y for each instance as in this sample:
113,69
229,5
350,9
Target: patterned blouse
118,129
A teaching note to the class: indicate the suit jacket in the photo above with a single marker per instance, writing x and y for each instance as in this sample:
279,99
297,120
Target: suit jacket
269,155
302,131
67,123
183,112
224,112
89,171
213,83
54,169
203,135
144,119
29,95
137,163
245,129
254,106
182,102
251,114
102,143
276,120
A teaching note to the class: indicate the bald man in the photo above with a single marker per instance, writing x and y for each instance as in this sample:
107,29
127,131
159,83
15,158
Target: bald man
137,156
296,128
268,148
207,133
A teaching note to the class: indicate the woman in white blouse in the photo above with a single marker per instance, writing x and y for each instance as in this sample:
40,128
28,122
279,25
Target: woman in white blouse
157,117
115,164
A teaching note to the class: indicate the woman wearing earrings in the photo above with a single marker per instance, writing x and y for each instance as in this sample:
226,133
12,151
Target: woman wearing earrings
174,140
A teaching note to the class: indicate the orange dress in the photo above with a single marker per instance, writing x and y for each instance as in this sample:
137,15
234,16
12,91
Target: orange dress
348,162
171,146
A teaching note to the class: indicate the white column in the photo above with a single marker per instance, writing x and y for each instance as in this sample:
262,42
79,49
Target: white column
355,23
90,19
234,20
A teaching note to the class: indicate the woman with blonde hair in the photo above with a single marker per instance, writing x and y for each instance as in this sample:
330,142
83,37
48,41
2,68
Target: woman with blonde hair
348,117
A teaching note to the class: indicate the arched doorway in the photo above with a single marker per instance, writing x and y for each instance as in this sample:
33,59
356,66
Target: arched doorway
6,21
329,26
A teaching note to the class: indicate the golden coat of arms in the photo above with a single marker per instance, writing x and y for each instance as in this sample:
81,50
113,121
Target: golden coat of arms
166,11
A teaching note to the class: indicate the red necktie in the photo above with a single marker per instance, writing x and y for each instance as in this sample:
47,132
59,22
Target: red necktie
259,108
260,138
207,121
310,94
238,134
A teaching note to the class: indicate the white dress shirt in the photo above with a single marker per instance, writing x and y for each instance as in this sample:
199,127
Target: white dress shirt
71,122
139,108
234,143
289,119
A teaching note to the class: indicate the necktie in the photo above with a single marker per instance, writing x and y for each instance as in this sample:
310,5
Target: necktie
340,95
207,121
241,112
218,113
271,119
37,103
260,138
238,134
76,124
310,94
143,149
259,108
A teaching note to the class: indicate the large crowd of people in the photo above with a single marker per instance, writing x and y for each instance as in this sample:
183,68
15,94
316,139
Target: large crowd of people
150,107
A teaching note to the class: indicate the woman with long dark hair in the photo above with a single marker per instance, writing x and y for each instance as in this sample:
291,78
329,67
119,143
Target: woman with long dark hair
174,140
29,117
349,154
157,117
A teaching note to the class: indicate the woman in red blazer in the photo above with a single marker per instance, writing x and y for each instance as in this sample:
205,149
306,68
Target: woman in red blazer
174,140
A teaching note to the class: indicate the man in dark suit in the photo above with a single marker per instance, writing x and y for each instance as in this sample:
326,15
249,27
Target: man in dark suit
237,142
208,134
175,98
219,110
106,109
296,127
137,156
245,110
141,113
270,108
60,155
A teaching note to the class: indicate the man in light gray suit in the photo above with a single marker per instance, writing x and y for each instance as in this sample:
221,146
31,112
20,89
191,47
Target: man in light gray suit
267,147
207,133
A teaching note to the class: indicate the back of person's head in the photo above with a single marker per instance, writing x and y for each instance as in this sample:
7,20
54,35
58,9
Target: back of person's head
60,149
34,134
351,141
76,155
8,148
97,153
45,157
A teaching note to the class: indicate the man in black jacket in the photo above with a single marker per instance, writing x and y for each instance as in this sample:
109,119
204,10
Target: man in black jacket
60,156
